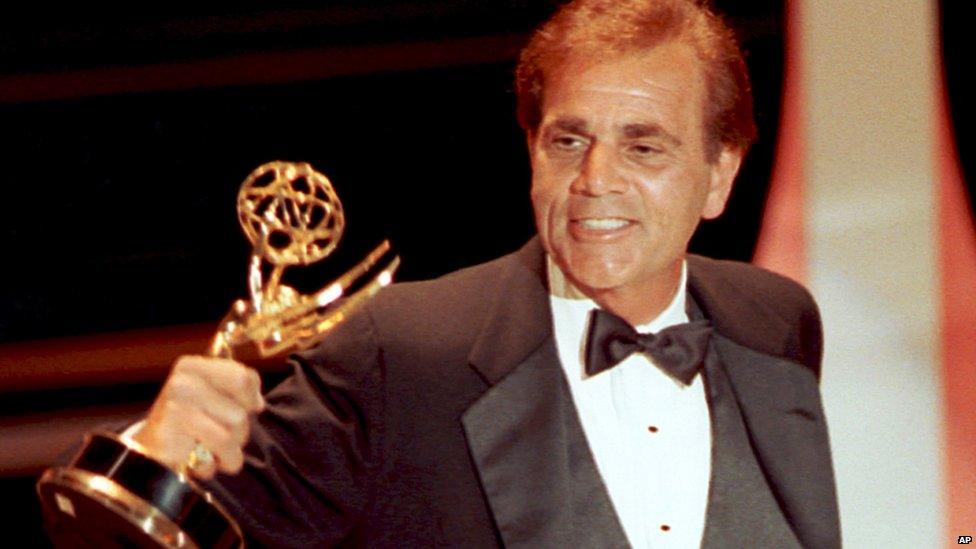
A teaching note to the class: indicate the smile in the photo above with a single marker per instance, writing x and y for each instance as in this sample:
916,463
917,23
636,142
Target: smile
600,229
603,223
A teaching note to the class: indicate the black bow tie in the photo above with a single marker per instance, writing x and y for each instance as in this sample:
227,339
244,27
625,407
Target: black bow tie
679,350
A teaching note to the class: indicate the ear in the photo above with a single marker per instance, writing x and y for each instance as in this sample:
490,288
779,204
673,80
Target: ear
722,174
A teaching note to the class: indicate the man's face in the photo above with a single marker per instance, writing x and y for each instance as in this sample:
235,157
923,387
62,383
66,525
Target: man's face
620,174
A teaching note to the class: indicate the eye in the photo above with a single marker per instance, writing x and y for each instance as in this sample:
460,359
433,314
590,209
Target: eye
567,143
644,149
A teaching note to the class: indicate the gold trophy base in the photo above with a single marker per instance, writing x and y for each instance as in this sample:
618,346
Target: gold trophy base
112,495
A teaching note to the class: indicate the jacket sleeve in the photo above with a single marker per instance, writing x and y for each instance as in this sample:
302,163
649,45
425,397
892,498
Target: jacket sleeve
315,448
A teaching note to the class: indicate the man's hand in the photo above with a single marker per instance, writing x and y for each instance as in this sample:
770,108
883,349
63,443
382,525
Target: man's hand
208,401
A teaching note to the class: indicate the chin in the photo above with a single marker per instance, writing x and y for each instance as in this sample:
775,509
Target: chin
598,275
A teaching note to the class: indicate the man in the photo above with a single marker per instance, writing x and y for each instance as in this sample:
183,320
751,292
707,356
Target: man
474,410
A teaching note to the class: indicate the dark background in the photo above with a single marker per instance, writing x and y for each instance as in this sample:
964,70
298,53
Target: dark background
121,204
118,200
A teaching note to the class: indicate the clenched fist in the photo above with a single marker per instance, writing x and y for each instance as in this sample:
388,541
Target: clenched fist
207,401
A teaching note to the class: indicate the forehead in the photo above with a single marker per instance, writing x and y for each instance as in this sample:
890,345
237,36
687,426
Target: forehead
662,85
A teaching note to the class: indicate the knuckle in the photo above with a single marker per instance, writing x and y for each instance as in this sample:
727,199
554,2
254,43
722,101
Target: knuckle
178,387
183,364
238,418
242,382
255,378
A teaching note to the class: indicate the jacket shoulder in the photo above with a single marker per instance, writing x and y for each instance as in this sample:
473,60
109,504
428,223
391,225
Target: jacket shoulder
759,308
778,292
445,313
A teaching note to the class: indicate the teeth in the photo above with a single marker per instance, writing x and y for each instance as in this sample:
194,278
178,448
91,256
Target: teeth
603,224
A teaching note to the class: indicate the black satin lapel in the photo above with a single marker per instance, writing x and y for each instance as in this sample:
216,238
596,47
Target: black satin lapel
534,462
781,407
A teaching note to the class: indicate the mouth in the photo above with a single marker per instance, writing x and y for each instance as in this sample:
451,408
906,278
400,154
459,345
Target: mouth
602,223
599,227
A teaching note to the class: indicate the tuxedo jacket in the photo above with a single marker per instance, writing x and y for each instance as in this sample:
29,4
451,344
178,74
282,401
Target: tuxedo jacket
439,415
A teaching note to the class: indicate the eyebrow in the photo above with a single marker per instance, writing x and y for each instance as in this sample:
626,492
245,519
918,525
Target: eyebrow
571,124
637,131
578,125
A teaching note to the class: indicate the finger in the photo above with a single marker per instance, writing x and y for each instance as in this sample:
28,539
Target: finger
229,377
172,432
232,461
165,435
234,419
227,454
189,392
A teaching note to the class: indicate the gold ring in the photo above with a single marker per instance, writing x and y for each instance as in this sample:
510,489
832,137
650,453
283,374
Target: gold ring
199,458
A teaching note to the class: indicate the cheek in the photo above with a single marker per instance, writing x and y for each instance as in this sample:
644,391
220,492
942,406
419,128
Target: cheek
544,195
539,199
670,203
542,205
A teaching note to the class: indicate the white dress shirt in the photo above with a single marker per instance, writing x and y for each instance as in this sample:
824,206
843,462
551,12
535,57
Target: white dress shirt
649,434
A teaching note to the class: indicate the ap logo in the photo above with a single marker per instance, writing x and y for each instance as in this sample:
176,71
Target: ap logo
963,540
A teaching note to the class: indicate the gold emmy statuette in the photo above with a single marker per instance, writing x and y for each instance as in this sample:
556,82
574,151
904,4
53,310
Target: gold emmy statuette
113,494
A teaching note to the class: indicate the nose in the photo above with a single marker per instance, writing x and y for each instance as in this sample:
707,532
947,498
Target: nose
598,174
